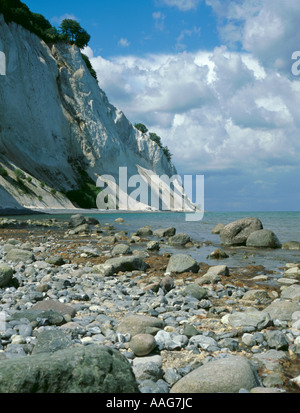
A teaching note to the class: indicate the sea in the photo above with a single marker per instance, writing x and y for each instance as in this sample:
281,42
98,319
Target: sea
286,225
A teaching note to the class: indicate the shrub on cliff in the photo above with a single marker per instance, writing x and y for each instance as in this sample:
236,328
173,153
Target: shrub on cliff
74,33
19,175
18,12
89,65
3,172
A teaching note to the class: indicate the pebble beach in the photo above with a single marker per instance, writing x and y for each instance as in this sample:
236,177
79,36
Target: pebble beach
163,321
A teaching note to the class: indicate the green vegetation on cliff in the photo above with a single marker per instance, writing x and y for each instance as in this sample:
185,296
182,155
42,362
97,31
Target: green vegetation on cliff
86,195
155,138
18,12
70,31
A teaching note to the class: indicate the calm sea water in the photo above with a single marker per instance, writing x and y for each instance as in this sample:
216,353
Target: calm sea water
286,225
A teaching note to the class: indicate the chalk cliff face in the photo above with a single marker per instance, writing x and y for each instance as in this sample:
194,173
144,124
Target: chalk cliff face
55,120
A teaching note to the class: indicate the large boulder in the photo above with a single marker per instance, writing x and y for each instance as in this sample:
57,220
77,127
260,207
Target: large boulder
84,228
170,341
6,274
291,245
213,274
139,324
293,273
144,232
142,344
255,294
291,293
249,318
217,229
153,246
121,249
180,263
126,263
54,305
16,255
180,239
52,317
92,221
237,232
51,340
164,232
263,238
224,375
195,291
77,220
84,369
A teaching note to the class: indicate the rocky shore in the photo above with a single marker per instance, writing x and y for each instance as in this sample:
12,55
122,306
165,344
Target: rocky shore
86,308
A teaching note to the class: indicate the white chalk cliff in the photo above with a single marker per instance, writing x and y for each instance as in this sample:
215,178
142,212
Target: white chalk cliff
54,119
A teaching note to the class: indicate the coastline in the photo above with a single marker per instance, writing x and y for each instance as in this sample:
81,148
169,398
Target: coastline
70,211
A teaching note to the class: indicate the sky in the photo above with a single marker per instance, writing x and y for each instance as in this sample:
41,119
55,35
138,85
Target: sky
217,80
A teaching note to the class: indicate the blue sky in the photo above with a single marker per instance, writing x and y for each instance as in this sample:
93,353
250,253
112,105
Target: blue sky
146,26
211,77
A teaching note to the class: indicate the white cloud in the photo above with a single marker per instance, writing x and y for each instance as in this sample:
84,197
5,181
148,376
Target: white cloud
183,5
233,115
267,29
187,32
214,110
159,19
59,19
124,42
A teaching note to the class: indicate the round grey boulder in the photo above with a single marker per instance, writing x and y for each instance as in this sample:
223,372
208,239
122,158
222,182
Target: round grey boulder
77,220
277,339
164,232
291,293
263,238
142,344
6,274
180,263
236,233
126,263
224,375
121,249
250,318
153,246
139,324
282,309
18,255
84,369
194,290
180,239
144,232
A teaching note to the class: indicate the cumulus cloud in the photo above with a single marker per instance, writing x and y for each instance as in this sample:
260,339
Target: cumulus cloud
214,109
183,5
59,19
267,29
124,42
186,33
232,114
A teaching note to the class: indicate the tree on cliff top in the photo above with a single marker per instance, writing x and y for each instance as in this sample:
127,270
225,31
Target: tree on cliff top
74,33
